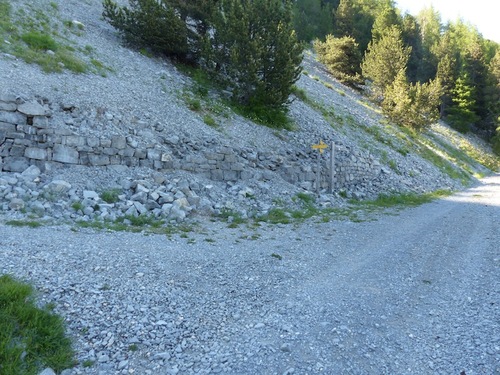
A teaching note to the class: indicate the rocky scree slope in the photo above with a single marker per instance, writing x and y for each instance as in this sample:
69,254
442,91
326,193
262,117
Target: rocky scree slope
143,99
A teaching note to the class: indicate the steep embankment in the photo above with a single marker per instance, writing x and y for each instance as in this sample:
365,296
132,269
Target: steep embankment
141,113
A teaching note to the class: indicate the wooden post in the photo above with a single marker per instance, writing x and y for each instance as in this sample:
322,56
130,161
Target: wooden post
318,174
332,167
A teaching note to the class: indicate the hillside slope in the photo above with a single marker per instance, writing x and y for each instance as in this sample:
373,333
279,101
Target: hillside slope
146,99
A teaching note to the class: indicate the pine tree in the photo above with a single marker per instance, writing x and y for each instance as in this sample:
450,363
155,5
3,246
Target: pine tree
429,21
413,105
462,113
341,57
384,59
384,20
312,19
151,23
411,37
253,50
355,18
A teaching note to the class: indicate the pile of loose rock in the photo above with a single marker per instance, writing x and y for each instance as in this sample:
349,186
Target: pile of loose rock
64,196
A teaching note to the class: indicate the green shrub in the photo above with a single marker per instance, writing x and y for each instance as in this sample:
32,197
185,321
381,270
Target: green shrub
39,41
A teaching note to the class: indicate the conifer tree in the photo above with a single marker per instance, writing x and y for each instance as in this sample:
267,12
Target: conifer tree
384,59
414,105
342,58
253,50
312,19
462,113
151,23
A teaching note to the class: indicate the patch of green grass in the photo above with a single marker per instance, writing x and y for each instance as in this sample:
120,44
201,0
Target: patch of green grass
33,35
31,338
274,118
306,198
489,160
276,216
39,42
210,121
299,93
133,348
24,223
444,165
88,363
233,217
404,200
110,196
77,206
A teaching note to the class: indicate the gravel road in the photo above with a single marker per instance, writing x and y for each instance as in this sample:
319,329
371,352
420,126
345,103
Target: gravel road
416,292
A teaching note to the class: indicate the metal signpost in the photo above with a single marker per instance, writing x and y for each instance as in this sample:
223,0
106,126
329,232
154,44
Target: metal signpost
320,147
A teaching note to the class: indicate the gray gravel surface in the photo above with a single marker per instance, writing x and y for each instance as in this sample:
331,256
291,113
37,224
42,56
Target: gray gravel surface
416,292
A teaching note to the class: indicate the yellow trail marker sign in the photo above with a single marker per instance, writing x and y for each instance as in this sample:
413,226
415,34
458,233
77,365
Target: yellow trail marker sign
320,146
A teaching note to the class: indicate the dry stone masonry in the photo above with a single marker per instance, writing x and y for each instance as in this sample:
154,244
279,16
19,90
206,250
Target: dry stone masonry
28,137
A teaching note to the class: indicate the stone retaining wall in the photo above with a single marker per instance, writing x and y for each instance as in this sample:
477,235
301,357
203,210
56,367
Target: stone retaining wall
28,138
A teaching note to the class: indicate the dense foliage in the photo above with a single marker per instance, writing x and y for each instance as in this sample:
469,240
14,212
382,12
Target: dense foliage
249,46
342,58
408,60
253,51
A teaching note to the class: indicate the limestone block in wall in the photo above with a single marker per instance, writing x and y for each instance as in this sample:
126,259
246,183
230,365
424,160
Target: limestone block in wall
246,175
230,175
214,156
65,154
17,150
237,167
62,132
35,153
165,157
92,142
15,164
8,98
13,118
216,175
8,106
105,143
7,128
33,109
230,158
26,129
110,151
40,122
98,159
118,142
73,140
140,154
127,152
146,163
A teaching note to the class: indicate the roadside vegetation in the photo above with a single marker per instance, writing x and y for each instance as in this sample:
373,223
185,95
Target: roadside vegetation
40,36
31,337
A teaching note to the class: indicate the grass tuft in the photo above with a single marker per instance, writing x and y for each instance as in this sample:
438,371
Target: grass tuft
31,338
